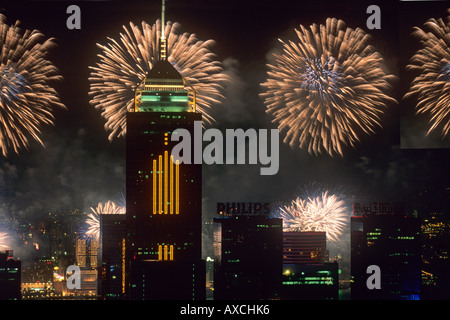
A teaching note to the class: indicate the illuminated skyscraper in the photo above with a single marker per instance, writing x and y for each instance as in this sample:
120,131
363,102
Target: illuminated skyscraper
163,196
86,255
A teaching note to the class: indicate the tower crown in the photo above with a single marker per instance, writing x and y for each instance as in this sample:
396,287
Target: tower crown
164,89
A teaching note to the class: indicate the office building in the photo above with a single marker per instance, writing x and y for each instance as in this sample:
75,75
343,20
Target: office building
247,257
164,196
86,256
306,273
112,280
10,276
304,247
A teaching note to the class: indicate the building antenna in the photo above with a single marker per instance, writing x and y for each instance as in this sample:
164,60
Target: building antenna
162,40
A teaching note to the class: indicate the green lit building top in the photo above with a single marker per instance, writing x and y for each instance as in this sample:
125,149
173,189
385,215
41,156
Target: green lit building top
164,90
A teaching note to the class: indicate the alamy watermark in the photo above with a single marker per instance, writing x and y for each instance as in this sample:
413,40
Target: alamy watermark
73,277
235,147
73,21
374,280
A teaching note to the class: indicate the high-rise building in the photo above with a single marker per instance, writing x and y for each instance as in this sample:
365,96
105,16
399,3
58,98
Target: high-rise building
10,276
163,255
86,255
390,241
112,267
247,257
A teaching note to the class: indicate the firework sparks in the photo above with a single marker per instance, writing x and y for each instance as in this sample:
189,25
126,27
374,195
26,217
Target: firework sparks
3,241
110,207
26,98
93,220
93,230
328,89
431,87
124,64
324,212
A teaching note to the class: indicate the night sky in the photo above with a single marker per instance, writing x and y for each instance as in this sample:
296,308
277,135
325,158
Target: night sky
79,167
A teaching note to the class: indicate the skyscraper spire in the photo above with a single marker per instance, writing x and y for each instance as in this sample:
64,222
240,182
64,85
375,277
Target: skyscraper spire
162,40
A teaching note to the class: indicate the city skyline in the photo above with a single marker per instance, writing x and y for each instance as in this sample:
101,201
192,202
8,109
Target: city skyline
79,167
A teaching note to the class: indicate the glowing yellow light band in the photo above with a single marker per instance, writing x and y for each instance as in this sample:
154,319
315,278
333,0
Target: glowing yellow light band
154,186
160,256
166,182
171,184
177,186
165,252
165,189
123,265
160,184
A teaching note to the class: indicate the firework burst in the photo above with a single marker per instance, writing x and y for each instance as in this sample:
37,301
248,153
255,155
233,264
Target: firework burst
93,229
123,64
93,219
328,89
26,98
4,237
323,212
431,86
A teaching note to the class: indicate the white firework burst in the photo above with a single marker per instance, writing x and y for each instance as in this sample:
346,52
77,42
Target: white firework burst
323,212
93,220
4,237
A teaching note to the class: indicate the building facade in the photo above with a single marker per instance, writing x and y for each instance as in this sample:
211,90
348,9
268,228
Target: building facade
306,273
10,276
112,267
163,244
304,247
247,257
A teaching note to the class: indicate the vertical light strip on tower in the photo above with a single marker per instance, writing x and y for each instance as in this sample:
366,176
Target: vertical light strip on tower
171,184
171,253
165,252
177,186
165,189
166,181
154,186
123,264
160,255
160,184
